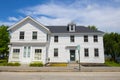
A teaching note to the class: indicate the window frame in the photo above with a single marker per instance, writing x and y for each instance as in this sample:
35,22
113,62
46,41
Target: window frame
34,35
72,38
96,52
55,52
95,38
21,36
86,52
85,38
56,38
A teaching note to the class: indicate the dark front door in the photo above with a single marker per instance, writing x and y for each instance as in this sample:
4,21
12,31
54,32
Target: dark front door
72,55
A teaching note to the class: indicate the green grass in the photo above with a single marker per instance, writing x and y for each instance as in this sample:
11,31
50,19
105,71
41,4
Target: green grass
112,64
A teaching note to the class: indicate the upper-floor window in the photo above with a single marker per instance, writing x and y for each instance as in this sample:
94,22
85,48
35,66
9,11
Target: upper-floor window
72,38
86,52
55,38
34,35
71,27
21,36
95,38
96,52
85,38
55,52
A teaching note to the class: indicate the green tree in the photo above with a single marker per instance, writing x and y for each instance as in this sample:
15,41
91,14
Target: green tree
4,40
92,27
112,45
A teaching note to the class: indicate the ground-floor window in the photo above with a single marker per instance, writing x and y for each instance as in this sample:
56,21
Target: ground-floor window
96,52
86,52
38,53
16,53
55,52
27,50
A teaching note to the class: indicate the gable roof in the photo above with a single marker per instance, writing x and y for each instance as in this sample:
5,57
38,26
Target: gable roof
28,17
78,29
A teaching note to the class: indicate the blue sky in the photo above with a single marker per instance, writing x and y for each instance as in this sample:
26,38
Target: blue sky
105,14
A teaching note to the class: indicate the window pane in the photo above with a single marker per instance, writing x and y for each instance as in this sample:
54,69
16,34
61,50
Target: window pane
34,36
24,55
96,52
15,54
86,52
95,38
85,38
38,53
55,38
29,51
55,52
72,38
21,35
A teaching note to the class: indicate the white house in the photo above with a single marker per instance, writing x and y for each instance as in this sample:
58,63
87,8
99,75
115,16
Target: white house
31,41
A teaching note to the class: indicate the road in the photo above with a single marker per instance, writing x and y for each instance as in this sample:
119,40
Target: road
59,75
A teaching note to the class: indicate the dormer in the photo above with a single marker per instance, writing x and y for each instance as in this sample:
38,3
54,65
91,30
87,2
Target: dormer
71,27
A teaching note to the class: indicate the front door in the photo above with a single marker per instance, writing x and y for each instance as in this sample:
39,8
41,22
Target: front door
26,54
72,55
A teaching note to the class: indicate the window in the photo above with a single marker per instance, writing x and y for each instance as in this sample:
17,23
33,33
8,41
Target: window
34,35
27,50
24,52
95,38
72,28
55,52
72,38
16,50
16,53
38,53
55,38
21,35
96,52
86,52
85,38
47,37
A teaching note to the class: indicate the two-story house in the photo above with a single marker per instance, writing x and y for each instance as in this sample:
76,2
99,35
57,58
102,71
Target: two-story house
31,41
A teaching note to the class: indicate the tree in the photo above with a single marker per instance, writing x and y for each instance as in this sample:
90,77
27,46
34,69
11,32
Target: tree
112,45
4,40
92,27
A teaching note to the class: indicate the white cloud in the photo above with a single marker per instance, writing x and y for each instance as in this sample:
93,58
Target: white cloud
6,23
13,19
92,14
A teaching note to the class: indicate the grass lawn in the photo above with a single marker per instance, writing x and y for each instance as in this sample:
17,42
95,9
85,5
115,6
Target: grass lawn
112,64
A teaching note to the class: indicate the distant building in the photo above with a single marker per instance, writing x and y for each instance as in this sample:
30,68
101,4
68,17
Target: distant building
31,41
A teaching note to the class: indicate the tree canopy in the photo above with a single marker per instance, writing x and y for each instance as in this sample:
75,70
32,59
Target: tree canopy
112,45
92,27
4,40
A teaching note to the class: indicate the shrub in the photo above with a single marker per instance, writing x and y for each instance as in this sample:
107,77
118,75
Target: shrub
3,62
36,64
13,64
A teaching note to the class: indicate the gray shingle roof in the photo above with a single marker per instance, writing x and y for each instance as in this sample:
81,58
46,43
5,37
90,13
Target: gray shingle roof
79,29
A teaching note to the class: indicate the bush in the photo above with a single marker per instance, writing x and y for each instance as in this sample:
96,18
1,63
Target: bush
36,64
13,64
3,62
